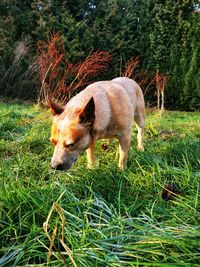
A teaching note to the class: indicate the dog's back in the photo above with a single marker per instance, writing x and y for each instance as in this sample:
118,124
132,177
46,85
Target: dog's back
116,101
133,90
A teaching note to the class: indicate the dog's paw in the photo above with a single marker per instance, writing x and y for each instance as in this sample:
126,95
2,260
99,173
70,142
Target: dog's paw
140,148
121,166
90,166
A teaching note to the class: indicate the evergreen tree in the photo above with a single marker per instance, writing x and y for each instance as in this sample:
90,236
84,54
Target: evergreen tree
165,38
191,73
164,33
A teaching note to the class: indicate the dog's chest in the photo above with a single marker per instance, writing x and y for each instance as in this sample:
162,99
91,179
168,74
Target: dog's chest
110,132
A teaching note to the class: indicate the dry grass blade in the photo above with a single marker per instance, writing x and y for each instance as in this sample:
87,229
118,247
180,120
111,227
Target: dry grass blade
52,241
55,235
69,252
21,50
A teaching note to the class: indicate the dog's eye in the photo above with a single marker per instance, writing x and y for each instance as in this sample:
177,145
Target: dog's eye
69,146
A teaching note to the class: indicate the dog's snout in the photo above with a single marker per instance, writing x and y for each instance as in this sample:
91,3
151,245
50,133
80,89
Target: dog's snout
57,164
59,167
62,164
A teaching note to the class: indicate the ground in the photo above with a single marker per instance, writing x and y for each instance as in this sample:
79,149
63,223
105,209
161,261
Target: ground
99,217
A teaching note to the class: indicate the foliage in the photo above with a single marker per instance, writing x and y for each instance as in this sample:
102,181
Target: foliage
107,217
164,34
191,72
60,78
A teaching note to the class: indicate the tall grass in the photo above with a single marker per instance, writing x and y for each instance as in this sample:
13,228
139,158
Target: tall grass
99,217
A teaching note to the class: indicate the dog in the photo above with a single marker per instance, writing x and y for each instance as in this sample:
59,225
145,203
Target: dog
103,110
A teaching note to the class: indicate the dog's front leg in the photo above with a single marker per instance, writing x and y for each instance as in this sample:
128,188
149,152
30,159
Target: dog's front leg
124,145
90,155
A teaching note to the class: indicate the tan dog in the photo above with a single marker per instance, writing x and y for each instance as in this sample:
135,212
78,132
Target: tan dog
104,109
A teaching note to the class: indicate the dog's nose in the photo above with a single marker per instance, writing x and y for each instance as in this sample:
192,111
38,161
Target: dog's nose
59,167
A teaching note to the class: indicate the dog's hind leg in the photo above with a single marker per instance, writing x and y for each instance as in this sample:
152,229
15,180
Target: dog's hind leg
140,124
90,156
124,145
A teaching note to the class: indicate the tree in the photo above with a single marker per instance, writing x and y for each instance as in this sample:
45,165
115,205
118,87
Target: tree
160,80
163,33
191,61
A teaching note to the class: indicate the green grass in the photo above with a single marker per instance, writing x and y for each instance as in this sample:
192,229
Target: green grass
107,217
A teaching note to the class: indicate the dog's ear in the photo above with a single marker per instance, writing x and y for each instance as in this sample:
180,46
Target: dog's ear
87,115
56,109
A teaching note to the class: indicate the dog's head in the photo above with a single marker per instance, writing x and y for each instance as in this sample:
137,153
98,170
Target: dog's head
71,135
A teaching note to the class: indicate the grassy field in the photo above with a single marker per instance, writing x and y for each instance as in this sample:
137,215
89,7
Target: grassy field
100,217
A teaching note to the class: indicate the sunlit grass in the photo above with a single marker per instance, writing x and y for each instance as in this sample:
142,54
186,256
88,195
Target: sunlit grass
107,217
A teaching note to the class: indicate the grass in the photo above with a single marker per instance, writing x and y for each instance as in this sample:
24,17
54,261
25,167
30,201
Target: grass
102,217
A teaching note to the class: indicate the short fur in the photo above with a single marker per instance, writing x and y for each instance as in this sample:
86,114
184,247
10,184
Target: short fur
104,109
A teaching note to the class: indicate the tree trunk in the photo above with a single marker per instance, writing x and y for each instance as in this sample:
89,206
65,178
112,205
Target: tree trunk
158,100
162,101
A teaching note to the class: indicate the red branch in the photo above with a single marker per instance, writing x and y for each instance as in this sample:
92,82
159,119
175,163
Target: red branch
90,67
143,78
131,66
60,78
